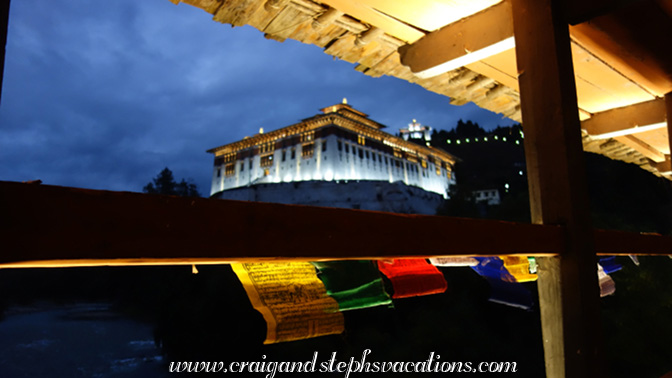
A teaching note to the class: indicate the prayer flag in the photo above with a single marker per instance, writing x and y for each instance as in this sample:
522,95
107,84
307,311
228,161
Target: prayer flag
292,300
353,284
413,277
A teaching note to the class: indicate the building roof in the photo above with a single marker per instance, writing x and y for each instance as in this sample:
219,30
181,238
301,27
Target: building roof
342,115
622,60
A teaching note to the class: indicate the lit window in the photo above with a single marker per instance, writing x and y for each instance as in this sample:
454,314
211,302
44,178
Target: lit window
266,161
361,139
266,172
229,170
267,147
438,170
307,136
307,150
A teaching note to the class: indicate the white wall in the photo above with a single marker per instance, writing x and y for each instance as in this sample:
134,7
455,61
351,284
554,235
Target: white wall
333,165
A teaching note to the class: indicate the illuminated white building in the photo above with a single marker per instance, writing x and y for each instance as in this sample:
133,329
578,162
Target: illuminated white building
339,145
416,130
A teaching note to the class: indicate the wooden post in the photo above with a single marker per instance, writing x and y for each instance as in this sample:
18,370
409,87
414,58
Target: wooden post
668,113
568,286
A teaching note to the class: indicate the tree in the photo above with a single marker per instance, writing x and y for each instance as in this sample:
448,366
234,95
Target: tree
164,183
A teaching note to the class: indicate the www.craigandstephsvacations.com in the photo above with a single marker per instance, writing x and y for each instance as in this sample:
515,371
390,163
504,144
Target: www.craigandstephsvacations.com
432,364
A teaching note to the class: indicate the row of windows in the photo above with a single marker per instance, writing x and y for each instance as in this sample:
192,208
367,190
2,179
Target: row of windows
267,147
365,153
307,151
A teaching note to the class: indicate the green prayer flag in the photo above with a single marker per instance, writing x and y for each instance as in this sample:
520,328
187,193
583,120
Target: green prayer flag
353,284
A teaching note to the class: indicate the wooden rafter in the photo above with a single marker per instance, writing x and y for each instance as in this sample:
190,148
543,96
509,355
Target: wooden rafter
442,50
626,118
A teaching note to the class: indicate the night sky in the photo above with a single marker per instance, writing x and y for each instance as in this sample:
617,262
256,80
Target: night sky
104,95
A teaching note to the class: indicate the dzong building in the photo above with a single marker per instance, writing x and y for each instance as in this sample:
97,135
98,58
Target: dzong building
338,158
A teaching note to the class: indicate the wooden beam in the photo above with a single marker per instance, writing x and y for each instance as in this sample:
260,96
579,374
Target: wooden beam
623,243
642,147
48,226
627,118
568,287
632,41
326,18
455,45
371,16
41,223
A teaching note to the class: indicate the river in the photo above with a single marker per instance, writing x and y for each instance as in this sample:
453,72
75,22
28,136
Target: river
81,340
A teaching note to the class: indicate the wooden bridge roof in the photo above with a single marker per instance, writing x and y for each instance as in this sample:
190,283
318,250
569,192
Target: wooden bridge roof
465,50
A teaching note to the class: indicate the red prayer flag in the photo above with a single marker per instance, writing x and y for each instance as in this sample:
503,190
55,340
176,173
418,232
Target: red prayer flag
412,277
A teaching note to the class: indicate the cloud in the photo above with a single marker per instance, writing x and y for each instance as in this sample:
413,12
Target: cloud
105,96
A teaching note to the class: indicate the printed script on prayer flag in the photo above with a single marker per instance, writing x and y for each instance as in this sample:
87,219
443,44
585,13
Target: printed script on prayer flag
292,300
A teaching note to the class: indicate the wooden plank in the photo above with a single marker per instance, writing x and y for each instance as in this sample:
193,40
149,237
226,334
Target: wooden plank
47,226
600,87
42,223
456,40
664,167
642,147
569,298
621,43
371,16
429,15
627,117
622,243
657,139
209,6
286,22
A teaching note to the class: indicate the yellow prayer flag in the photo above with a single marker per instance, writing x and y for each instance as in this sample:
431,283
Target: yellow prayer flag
292,300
